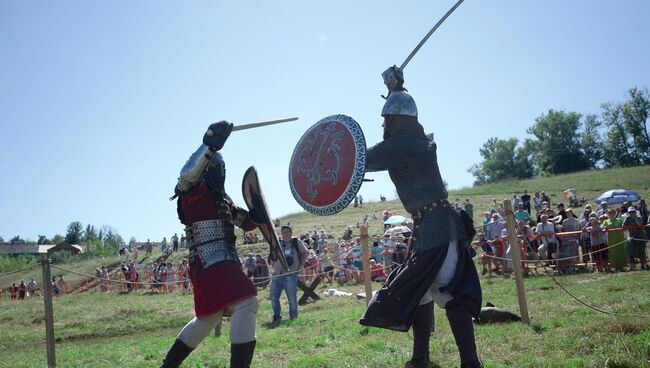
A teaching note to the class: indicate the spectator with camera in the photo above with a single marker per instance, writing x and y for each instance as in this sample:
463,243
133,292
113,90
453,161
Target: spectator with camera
285,279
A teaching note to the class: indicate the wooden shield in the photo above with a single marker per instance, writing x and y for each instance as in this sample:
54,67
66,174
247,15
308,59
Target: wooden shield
328,164
255,201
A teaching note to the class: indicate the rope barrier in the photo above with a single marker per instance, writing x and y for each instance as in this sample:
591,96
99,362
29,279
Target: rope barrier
550,274
20,270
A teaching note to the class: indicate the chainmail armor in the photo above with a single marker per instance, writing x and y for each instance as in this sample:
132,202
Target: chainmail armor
213,241
412,164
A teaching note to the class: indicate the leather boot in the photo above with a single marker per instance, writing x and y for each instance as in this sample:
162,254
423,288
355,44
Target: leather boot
422,327
176,354
462,326
241,355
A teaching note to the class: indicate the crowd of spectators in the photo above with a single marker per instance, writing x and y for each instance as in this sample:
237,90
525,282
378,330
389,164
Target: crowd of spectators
607,239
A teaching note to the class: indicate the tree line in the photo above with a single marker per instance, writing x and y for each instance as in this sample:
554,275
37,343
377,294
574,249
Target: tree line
564,142
76,234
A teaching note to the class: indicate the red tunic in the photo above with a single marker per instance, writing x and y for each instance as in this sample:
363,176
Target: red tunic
223,284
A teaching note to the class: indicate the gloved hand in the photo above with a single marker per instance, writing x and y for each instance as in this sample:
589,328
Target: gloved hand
256,217
393,77
216,135
255,213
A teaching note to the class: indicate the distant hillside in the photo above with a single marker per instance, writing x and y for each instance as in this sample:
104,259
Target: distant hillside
589,184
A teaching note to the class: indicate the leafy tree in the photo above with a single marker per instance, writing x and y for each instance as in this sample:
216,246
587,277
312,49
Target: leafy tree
17,240
90,234
635,116
42,239
74,234
591,141
58,239
557,149
111,236
501,160
616,148
2,240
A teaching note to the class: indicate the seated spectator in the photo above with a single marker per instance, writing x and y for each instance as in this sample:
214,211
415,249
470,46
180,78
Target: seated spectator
377,271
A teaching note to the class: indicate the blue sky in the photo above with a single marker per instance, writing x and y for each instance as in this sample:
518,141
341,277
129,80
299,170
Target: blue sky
101,103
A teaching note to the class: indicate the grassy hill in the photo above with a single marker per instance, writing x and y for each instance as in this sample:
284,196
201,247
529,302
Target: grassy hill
134,330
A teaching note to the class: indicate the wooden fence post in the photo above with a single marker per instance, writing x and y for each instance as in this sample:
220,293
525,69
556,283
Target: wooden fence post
365,261
49,312
511,226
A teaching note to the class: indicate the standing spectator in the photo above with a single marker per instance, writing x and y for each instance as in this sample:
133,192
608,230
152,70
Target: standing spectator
104,275
515,200
22,290
13,291
31,287
377,249
262,279
399,254
328,265
164,245
643,210
171,276
521,214
537,202
122,248
469,208
356,259
634,226
134,276
604,209
494,228
615,240
360,201
251,266
62,284
569,246
525,200
545,198
499,252
312,266
598,240
151,274
287,279
585,236
148,246
175,243
184,274
546,231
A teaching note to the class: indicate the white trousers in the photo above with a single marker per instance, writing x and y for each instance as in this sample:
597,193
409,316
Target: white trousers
242,324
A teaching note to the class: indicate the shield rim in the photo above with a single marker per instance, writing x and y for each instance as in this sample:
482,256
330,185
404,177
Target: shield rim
357,174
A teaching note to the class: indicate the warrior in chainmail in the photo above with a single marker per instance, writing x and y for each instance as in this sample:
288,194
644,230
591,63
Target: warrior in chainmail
440,267
220,286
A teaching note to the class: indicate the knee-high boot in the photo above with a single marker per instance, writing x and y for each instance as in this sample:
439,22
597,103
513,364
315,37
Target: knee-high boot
241,355
422,326
176,354
462,327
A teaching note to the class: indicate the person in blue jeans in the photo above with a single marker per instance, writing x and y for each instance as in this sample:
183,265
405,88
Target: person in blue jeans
285,279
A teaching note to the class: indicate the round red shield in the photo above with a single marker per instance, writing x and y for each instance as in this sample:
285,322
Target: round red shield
328,165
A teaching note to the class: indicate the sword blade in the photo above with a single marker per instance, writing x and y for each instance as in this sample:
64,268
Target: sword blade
261,124
417,48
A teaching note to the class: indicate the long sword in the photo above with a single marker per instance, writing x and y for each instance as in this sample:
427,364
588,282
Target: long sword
261,124
442,20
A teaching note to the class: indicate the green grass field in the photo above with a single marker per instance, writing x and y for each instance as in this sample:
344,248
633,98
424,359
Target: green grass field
135,330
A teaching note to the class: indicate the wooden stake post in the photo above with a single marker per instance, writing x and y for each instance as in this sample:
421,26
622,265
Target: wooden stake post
511,226
365,253
49,313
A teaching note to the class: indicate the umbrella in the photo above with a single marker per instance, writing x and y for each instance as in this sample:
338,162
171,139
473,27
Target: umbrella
616,196
397,230
395,219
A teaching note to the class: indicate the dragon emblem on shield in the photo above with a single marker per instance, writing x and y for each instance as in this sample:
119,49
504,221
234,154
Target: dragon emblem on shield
324,163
